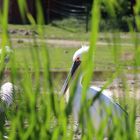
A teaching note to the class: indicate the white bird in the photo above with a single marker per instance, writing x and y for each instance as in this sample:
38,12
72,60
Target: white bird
6,93
6,90
98,109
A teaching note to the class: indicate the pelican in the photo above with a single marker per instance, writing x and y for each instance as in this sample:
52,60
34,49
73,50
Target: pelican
6,90
98,109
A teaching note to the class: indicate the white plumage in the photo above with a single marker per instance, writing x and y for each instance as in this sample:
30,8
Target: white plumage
104,102
6,93
98,110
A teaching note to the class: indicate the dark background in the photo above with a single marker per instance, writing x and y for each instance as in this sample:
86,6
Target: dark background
80,9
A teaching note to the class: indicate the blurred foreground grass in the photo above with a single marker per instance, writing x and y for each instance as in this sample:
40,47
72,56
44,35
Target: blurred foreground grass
38,108
38,112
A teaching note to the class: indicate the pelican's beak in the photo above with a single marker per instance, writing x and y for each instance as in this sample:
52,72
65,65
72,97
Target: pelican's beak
70,75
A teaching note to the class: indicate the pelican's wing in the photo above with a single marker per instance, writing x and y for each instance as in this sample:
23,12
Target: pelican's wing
104,98
106,92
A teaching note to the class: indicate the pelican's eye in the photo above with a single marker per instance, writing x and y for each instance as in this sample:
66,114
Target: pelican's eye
78,59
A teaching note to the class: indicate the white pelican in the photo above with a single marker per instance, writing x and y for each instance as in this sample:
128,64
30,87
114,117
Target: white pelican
98,108
6,93
6,90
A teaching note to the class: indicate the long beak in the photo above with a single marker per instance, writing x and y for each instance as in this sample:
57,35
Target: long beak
69,77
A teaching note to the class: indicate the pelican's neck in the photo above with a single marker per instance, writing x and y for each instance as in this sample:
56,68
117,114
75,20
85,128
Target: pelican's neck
79,86
80,80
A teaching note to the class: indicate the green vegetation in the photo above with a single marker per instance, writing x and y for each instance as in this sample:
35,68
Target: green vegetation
38,111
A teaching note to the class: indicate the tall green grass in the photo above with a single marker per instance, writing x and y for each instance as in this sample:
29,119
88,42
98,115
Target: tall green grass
38,112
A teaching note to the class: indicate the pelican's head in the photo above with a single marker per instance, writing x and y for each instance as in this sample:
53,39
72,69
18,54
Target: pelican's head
77,59
79,53
7,52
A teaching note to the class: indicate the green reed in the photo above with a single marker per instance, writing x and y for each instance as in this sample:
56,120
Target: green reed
38,111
